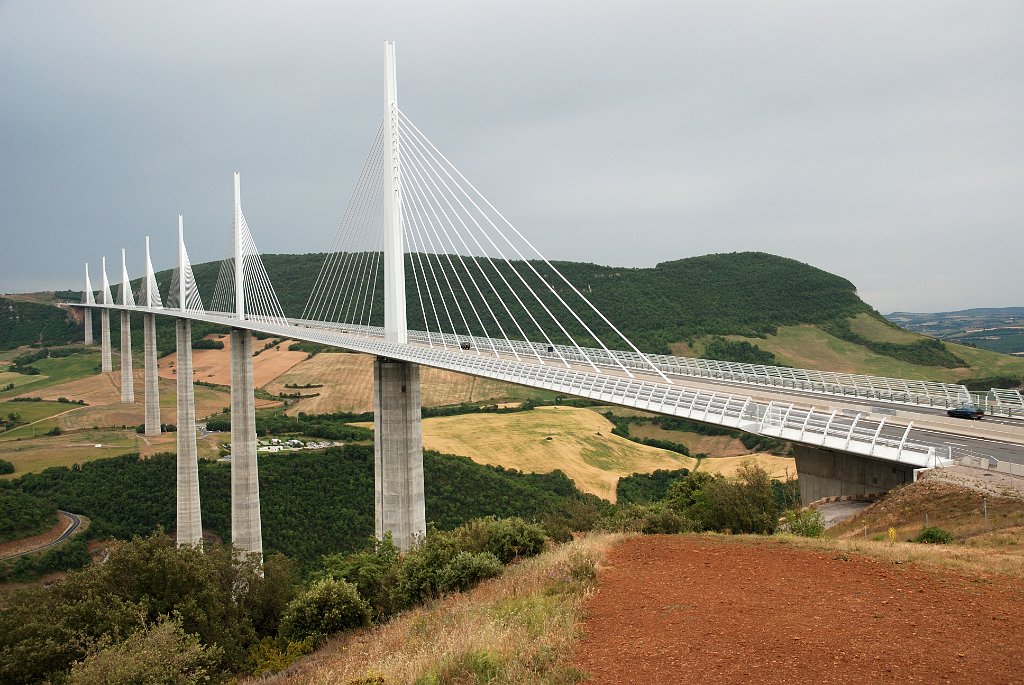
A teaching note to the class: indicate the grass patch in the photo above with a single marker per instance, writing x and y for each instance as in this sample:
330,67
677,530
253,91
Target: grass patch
36,454
519,628
871,328
55,372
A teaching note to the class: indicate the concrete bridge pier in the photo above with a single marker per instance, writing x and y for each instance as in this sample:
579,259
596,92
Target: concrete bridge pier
87,322
106,362
127,379
246,527
152,426
190,523
398,452
827,473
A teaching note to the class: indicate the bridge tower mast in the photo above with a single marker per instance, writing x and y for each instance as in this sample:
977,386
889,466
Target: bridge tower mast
395,325
399,507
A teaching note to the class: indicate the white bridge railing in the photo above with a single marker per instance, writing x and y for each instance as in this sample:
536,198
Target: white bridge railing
926,393
735,410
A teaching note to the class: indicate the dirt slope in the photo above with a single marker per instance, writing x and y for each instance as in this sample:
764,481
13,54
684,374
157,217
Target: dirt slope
673,609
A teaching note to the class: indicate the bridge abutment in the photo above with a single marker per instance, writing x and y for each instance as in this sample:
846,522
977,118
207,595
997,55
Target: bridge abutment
827,473
106,358
127,379
189,518
399,505
246,527
152,426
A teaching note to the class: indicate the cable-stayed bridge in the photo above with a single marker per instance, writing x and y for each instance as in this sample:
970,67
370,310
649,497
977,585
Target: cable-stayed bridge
424,270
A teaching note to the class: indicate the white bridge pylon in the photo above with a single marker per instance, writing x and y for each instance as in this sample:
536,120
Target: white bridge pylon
415,222
243,285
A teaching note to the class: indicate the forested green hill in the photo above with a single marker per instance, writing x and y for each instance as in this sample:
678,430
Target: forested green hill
312,503
745,293
24,323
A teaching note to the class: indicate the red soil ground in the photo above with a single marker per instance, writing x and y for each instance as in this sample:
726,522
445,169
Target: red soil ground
671,609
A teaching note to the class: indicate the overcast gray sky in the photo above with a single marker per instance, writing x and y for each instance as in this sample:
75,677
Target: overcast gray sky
881,141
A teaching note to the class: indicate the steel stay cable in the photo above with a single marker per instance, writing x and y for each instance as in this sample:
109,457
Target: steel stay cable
525,283
345,240
545,260
501,329
419,201
416,181
336,243
360,223
424,167
415,276
415,223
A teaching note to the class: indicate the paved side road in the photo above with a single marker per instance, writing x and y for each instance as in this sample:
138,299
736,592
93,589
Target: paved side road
74,522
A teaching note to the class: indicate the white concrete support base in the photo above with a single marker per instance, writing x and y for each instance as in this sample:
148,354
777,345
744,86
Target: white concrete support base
127,375
190,522
828,473
87,323
152,426
246,528
399,506
106,361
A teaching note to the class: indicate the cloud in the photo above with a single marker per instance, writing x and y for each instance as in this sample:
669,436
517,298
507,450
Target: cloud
878,141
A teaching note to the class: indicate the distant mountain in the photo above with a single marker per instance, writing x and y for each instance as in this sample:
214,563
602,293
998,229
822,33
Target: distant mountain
1000,329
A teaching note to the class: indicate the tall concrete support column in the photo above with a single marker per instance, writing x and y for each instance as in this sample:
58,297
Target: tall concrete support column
152,383
87,313
190,522
246,528
106,362
127,379
827,473
399,506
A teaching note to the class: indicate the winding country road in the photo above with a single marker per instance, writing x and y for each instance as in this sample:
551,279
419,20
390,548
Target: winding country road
74,522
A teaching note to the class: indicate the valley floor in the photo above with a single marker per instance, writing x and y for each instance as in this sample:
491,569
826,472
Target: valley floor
669,609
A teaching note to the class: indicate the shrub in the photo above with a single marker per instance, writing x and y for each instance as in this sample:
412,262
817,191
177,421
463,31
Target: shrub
507,539
743,506
329,606
374,573
420,575
933,535
804,522
6,466
161,653
271,655
467,569
650,519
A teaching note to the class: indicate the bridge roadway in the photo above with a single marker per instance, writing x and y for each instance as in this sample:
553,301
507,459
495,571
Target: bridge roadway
1000,439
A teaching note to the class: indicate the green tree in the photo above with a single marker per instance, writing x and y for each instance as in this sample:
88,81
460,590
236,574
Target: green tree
160,654
329,606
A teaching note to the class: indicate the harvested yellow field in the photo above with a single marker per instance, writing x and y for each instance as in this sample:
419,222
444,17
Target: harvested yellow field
347,381
208,401
99,389
214,366
36,454
779,468
577,441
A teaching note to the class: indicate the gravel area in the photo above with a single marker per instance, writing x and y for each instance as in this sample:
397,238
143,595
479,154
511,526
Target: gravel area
987,482
675,609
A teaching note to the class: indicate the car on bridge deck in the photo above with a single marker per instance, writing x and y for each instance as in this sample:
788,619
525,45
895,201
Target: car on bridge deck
967,411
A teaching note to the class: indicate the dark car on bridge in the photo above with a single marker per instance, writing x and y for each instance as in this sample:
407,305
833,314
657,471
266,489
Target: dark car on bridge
967,411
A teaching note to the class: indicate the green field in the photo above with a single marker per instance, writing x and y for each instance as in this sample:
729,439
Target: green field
51,372
35,415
